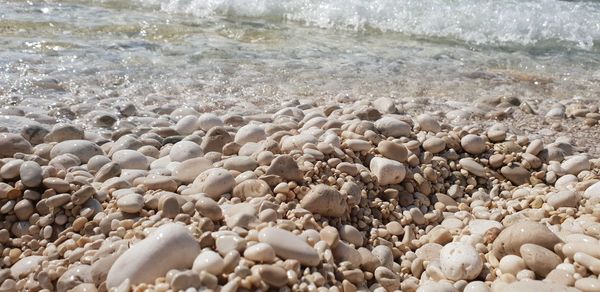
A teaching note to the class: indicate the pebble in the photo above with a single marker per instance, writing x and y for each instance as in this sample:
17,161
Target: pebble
387,171
428,123
131,203
25,266
539,259
260,252
13,143
31,174
576,164
130,159
517,174
393,150
208,121
250,133
208,261
82,149
514,236
324,200
472,166
285,167
188,170
289,246
63,132
563,199
588,284
434,145
350,234
392,127
252,188
511,264
272,275
473,144
184,150
460,261
168,247
214,182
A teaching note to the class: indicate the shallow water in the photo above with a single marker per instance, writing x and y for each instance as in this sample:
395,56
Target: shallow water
251,55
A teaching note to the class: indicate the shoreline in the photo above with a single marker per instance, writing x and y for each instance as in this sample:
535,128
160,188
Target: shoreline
342,195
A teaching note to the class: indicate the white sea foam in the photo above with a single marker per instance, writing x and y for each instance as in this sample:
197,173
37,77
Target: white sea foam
495,22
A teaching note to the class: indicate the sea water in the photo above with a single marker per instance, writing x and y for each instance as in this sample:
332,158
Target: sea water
251,55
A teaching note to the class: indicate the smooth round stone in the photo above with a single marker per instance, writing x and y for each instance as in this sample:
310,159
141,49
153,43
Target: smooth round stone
188,170
481,226
564,181
208,121
215,139
131,203
272,275
209,208
210,262
576,164
96,162
514,236
186,125
31,174
357,145
434,145
343,252
350,234
476,286
286,167
289,246
511,264
13,143
252,188
23,209
387,171
324,200
539,259
130,159
428,123
250,133
561,277
168,247
588,285
25,266
592,191
387,278
260,252
472,166
63,132
296,142
82,149
517,174
392,127
214,182
184,150
473,144
240,163
393,150
240,215
460,261
563,199
384,254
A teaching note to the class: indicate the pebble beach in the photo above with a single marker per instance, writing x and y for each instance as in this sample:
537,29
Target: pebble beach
348,195
299,145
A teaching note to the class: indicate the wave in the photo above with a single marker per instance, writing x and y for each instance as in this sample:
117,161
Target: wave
494,22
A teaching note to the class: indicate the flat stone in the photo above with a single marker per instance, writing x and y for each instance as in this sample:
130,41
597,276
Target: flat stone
240,163
26,266
289,246
576,164
168,247
63,132
324,200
